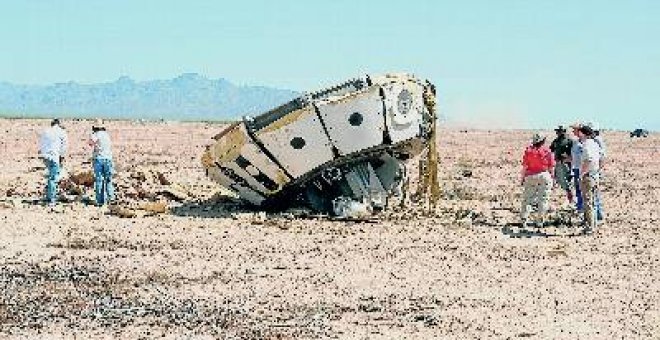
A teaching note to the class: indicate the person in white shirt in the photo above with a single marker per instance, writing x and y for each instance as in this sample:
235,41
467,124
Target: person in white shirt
590,174
102,162
600,214
52,149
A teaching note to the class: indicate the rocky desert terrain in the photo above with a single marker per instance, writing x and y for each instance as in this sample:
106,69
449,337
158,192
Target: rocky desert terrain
180,258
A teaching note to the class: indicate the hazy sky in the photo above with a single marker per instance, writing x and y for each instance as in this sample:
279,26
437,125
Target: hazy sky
505,63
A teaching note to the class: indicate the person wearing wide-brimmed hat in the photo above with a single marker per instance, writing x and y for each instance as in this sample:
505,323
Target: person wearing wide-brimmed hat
536,179
102,162
589,174
561,147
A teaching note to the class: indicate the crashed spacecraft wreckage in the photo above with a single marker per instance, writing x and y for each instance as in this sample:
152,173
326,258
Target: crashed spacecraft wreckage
340,150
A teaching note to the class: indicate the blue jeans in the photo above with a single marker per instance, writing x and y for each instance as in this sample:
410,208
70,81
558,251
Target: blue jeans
599,205
103,181
578,192
52,179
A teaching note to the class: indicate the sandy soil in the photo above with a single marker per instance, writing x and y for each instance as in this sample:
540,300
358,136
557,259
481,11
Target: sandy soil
210,269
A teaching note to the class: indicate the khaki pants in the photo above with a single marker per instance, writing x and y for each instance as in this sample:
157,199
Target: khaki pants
589,188
562,173
536,192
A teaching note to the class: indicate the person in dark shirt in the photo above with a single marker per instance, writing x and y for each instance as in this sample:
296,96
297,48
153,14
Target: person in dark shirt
561,148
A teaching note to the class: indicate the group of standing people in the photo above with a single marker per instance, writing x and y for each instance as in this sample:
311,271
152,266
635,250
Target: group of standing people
53,144
575,164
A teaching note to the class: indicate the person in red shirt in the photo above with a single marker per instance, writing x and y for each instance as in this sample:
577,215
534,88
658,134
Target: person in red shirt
536,179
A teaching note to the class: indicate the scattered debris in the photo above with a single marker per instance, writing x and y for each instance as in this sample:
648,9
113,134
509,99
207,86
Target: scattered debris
84,178
557,250
162,179
176,192
255,218
122,211
155,207
10,192
139,192
466,173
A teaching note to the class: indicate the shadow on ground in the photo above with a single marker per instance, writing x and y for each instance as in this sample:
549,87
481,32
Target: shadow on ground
223,207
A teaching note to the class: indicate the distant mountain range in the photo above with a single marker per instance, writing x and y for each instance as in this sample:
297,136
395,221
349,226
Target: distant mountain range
189,96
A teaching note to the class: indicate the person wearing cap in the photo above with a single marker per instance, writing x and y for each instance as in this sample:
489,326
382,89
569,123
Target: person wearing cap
102,162
52,149
561,148
590,174
536,178
576,154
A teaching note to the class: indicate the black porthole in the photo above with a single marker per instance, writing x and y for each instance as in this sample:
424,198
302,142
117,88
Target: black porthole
297,143
355,119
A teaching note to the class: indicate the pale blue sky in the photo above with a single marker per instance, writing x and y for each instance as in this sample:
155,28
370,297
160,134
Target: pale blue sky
514,63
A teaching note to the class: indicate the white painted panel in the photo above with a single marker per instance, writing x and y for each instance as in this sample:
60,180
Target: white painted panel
404,110
355,121
297,141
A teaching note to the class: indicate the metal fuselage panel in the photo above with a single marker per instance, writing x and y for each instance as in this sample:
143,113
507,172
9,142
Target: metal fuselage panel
355,121
242,162
243,190
404,110
297,141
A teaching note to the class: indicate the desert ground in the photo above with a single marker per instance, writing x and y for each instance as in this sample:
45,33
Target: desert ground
208,267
